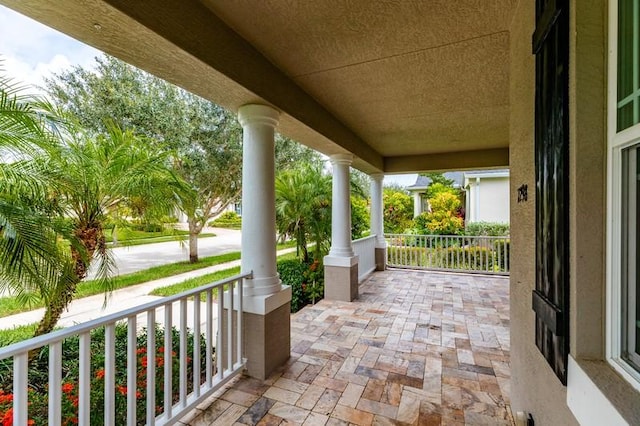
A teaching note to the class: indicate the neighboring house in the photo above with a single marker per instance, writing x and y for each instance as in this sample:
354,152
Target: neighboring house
486,194
419,190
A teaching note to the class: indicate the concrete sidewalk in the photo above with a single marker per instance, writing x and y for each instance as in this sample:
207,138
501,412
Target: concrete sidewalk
92,307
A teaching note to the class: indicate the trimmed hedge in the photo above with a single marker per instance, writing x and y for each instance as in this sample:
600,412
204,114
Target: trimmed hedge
229,220
490,229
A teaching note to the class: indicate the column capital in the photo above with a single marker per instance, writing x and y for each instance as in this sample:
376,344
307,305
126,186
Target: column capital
378,177
258,114
345,159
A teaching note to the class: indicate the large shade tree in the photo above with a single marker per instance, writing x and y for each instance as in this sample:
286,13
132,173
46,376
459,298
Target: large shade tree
206,138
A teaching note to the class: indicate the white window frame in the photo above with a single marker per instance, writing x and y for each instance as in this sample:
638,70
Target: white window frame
617,142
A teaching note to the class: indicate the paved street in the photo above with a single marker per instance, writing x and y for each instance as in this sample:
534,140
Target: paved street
136,258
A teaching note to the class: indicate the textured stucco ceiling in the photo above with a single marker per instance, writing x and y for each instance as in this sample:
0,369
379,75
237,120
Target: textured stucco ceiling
402,85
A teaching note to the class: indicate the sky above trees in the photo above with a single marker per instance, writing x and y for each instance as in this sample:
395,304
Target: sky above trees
31,52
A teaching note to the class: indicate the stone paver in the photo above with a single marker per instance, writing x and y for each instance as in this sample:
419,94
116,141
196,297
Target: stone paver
417,348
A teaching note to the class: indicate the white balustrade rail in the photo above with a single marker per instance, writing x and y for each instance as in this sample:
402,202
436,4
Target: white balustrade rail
204,330
365,248
459,253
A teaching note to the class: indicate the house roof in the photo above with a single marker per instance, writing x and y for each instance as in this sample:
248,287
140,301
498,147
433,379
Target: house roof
404,86
423,182
487,173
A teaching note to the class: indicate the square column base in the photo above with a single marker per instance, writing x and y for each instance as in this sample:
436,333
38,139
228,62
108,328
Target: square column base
341,282
267,340
381,258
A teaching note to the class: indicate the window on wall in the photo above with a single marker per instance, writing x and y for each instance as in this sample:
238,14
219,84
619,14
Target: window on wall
630,296
624,179
628,87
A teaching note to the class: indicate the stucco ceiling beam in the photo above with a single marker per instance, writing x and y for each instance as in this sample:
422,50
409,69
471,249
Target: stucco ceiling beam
463,160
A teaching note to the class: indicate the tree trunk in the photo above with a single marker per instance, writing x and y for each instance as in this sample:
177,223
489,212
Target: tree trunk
193,247
91,237
194,230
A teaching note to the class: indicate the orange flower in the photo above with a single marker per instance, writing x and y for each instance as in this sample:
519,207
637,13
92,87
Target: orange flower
7,419
67,388
100,374
122,390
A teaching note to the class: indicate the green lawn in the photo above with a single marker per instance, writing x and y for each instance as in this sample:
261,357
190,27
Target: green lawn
204,279
131,237
24,332
12,305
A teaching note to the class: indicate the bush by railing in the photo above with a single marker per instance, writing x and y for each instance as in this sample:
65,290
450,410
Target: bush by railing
39,373
306,281
453,253
113,371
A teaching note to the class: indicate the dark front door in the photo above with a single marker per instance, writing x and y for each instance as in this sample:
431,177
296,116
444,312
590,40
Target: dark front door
551,296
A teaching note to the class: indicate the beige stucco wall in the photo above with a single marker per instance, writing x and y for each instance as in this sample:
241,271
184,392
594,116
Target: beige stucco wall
534,387
493,201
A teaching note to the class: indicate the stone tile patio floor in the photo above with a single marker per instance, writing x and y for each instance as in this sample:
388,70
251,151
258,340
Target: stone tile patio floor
416,348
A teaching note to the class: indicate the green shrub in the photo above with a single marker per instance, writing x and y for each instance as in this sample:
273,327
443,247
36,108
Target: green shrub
38,376
292,274
467,258
408,256
502,251
491,229
229,220
306,281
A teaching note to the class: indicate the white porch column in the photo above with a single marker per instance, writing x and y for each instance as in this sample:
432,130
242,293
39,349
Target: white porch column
377,220
341,207
267,302
341,265
417,204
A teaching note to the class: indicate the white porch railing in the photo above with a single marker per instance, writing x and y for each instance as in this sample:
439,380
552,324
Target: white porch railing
365,248
191,368
459,253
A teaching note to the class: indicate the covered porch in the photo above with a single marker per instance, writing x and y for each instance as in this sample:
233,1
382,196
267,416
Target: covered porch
416,347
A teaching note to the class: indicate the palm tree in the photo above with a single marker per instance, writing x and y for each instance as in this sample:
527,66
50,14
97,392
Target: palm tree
91,177
303,207
31,259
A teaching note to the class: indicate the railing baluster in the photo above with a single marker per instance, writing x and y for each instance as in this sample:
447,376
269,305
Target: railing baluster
84,388
196,345
110,375
20,383
132,368
239,284
183,353
230,329
507,255
151,367
220,369
209,339
55,384
168,360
